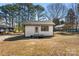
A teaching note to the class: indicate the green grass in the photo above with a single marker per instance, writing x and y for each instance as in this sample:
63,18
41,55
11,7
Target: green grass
58,45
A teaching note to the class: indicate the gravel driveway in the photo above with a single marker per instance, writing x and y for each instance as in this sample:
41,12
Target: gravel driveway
3,37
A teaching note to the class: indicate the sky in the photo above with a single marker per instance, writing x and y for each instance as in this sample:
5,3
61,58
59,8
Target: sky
68,5
2,4
42,4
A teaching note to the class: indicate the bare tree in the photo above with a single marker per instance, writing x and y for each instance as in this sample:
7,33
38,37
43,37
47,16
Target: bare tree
70,19
75,8
57,11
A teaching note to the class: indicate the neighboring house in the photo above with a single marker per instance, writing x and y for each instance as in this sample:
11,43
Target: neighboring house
6,29
59,27
38,28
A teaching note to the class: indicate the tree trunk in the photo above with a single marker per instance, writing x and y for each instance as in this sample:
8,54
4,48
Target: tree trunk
28,13
76,26
6,20
12,22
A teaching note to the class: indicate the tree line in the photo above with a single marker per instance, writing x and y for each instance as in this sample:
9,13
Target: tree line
17,13
71,15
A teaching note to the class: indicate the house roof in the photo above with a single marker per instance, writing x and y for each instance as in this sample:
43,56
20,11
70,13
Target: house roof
35,23
59,26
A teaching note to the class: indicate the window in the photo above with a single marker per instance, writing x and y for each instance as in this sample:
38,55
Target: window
36,29
44,28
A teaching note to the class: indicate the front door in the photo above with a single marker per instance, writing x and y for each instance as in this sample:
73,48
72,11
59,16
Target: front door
36,29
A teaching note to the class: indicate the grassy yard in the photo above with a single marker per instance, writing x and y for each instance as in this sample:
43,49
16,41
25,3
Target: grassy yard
60,44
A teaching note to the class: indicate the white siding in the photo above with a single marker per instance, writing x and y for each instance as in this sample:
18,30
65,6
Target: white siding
47,33
30,30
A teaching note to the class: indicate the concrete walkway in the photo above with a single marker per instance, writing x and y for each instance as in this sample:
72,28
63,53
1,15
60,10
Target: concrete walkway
3,37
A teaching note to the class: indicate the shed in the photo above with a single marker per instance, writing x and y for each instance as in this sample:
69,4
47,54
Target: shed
38,28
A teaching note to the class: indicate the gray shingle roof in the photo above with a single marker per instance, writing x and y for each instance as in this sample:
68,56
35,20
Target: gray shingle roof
38,23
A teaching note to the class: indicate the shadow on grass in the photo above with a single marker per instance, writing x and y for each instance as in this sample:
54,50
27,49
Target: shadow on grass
68,33
22,37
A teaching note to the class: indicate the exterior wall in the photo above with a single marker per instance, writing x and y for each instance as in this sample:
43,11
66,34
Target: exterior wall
30,30
46,33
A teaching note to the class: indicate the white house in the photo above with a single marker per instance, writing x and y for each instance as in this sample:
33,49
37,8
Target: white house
38,28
